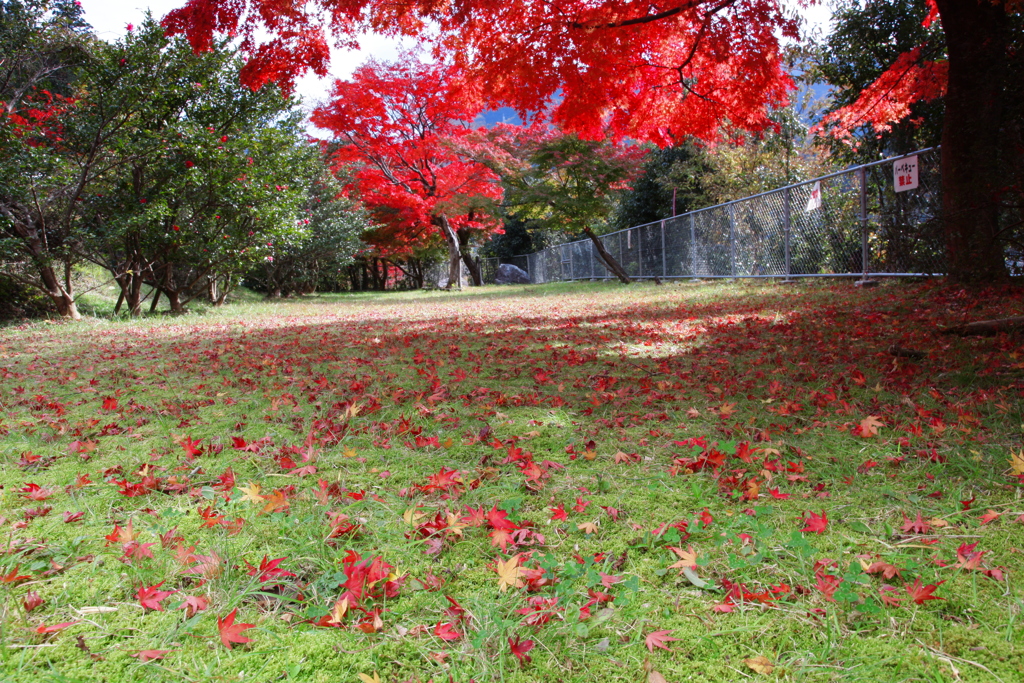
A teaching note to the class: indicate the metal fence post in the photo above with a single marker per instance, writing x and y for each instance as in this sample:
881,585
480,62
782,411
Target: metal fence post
664,262
732,238
639,252
865,250
787,218
693,245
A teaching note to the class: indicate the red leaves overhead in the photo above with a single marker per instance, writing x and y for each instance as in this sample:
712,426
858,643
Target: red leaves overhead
655,71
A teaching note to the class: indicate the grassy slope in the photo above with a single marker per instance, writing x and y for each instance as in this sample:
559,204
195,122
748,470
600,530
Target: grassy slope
791,372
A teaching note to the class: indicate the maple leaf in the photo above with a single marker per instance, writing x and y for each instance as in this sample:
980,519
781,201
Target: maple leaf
269,569
498,519
658,639
509,573
888,594
13,576
815,523
150,655
917,526
869,426
687,558
587,527
194,604
921,593
275,502
990,516
44,629
500,539
446,631
368,679
558,514
251,493
230,632
726,410
519,648
150,596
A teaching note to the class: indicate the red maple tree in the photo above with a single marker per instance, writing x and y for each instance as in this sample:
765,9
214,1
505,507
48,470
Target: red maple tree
403,127
659,70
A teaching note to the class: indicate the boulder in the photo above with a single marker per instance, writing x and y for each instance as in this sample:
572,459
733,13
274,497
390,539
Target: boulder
509,274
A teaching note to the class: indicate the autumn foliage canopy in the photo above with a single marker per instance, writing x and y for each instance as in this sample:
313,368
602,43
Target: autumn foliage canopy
656,71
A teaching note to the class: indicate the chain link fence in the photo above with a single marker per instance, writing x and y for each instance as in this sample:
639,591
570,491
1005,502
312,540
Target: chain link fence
851,223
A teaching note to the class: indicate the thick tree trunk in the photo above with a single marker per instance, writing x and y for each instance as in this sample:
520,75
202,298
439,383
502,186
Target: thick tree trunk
608,259
976,42
472,264
454,253
59,294
174,300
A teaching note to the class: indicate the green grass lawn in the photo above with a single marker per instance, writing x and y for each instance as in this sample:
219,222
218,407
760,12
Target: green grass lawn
587,482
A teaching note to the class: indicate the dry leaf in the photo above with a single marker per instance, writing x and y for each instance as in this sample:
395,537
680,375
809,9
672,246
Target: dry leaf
509,573
687,558
1017,463
251,493
760,664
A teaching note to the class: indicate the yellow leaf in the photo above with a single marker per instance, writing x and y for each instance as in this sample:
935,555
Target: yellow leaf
587,527
760,664
252,493
509,573
412,515
338,611
349,452
1017,463
590,454
726,409
366,679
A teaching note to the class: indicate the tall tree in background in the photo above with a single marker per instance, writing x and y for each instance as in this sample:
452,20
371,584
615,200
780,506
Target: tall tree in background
401,127
42,44
561,182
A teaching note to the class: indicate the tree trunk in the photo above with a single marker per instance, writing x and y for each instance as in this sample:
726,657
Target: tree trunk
976,42
608,259
472,264
59,295
156,299
174,300
454,253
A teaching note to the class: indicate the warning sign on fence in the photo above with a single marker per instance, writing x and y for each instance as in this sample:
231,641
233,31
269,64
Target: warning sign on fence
904,173
814,202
